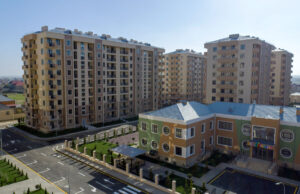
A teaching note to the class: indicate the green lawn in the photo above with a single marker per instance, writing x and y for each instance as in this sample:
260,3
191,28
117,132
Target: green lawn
217,157
19,98
9,174
38,191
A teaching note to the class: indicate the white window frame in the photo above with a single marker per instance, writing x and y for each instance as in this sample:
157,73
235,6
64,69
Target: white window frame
252,134
189,154
191,132
152,128
142,126
156,145
181,151
287,130
243,128
285,156
164,148
181,133
212,126
225,129
211,138
224,144
164,130
203,124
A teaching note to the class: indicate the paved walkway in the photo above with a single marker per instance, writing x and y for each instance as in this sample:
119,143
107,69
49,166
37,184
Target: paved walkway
126,139
33,179
113,173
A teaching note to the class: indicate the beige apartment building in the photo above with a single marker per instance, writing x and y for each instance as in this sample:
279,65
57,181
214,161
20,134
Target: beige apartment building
183,76
238,70
74,78
281,70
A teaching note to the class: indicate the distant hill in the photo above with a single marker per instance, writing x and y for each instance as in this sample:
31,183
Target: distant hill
296,79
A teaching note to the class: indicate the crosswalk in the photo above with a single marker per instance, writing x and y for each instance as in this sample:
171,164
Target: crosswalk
128,190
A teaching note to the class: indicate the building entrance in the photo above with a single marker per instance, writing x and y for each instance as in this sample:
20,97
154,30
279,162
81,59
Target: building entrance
262,153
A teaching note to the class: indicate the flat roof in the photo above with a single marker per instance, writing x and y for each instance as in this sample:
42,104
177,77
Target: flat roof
128,151
4,98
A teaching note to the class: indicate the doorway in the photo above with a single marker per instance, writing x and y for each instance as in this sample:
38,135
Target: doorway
262,153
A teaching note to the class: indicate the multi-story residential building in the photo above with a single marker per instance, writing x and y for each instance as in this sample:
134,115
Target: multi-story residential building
74,78
184,132
238,70
183,76
281,70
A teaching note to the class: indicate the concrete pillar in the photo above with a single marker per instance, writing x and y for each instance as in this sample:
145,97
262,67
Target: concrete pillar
127,168
193,190
173,186
88,138
77,140
115,163
84,150
77,147
141,173
94,154
156,179
66,143
104,158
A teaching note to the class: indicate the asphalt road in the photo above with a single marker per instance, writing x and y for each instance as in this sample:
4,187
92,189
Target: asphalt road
66,173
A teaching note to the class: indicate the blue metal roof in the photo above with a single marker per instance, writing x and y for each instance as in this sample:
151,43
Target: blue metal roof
193,110
128,151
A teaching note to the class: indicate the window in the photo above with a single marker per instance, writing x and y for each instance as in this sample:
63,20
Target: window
68,53
246,129
154,145
144,126
192,132
42,40
211,125
223,125
215,49
211,140
144,142
203,128
192,150
178,151
68,43
202,144
287,135
245,145
286,152
166,130
263,134
7,112
154,128
224,141
242,46
166,147
178,133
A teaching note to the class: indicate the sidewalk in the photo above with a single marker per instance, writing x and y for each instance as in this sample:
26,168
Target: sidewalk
116,175
33,179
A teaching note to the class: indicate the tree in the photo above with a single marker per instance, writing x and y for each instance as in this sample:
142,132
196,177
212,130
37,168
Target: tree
186,186
191,183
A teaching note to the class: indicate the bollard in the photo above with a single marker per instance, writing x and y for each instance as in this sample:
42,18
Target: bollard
77,147
104,158
193,190
66,143
94,154
127,168
77,141
173,186
115,163
156,179
84,150
141,173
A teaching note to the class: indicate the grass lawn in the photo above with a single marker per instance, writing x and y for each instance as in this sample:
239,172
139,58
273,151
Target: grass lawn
100,146
217,157
9,174
289,173
195,170
38,191
19,98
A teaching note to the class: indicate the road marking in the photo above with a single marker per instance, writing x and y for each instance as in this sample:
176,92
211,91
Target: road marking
106,180
47,169
116,192
81,174
62,179
93,188
122,191
24,155
135,189
34,162
103,185
66,186
81,190
29,147
43,154
128,190
60,163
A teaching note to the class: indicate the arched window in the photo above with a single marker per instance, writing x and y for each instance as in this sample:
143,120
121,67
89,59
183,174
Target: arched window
154,145
246,129
286,152
144,142
166,147
287,135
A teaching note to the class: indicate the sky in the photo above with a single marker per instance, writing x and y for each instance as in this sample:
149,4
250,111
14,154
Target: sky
170,24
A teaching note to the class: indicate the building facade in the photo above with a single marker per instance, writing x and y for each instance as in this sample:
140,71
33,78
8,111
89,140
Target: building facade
185,132
281,70
183,76
238,69
295,98
74,78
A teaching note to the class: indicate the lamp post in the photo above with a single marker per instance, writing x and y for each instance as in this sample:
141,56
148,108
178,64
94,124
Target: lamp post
280,183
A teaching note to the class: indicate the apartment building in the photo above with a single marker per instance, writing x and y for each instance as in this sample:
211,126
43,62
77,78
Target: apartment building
281,70
74,78
183,76
238,70
184,133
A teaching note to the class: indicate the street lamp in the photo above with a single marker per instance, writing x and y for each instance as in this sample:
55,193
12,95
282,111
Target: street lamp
280,183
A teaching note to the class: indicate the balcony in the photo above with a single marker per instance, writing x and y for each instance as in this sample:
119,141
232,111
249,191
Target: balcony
124,60
111,59
112,51
51,55
111,84
124,52
124,68
124,91
111,76
111,67
123,76
111,92
124,84
124,99
111,100
50,44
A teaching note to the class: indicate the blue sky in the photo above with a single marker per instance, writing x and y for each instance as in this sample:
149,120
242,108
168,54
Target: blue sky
170,24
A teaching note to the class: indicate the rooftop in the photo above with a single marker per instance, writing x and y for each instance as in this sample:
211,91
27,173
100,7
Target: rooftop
184,51
4,98
235,37
128,151
194,110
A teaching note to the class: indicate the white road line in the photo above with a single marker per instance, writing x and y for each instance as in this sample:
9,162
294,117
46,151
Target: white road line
62,179
81,174
116,192
24,155
135,189
121,191
43,154
34,162
29,147
93,188
60,163
47,169
128,190
103,185
81,190
106,180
